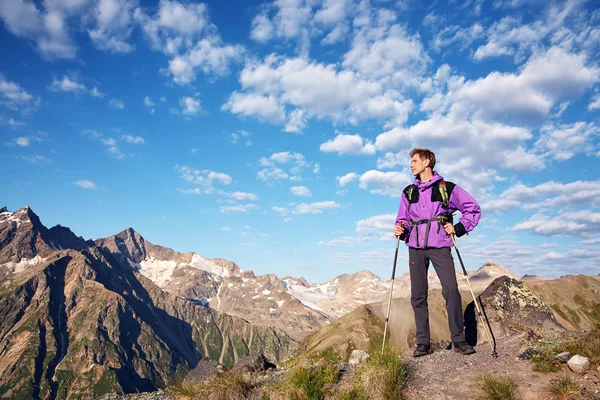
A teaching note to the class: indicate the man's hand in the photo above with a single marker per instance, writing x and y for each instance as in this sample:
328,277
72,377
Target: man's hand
449,228
399,229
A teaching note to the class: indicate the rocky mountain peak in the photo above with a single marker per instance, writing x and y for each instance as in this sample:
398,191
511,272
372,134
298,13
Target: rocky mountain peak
491,269
3,209
365,274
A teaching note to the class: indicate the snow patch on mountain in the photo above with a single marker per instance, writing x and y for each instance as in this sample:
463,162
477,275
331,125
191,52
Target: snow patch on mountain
159,271
206,265
23,264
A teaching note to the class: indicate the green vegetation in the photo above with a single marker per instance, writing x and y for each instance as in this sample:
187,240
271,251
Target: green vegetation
383,376
544,360
498,388
224,386
308,382
563,387
356,393
586,346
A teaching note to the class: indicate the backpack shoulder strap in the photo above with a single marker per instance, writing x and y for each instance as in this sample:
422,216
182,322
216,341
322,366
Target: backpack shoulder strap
445,189
411,193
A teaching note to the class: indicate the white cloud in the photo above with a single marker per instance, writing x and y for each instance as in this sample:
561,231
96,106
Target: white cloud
226,229
67,84
262,29
15,124
22,141
385,183
238,208
315,208
183,32
96,93
584,223
209,56
113,24
563,141
346,179
13,97
391,160
343,241
384,50
348,144
203,177
265,108
148,102
46,26
117,103
595,104
191,106
281,210
35,159
509,36
234,137
244,196
379,227
85,184
311,89
301,191
272,175
547,195
294,162
133,139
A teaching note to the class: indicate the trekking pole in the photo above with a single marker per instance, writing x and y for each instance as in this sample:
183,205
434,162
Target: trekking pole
485,322
387,315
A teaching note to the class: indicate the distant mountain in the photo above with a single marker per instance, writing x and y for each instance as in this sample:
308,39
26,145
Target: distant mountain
76,320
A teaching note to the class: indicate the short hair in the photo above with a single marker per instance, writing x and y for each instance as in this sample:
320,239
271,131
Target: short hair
424,154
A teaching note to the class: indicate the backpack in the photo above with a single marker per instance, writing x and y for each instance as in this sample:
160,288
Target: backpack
441,191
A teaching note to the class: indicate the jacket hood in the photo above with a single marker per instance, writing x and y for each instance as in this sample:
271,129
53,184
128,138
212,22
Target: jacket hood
424,185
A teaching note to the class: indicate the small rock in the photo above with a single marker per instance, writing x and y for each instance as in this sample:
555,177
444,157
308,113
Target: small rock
563,357
527,354
205,369
358,356
579,364
253,363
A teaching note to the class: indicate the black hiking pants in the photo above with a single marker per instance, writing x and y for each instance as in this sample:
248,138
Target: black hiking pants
444,267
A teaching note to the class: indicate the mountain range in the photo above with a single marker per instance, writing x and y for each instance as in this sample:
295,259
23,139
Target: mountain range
120,314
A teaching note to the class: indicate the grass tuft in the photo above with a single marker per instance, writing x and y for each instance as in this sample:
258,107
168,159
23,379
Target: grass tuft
308,382
498,388
383,376
563,387
224,386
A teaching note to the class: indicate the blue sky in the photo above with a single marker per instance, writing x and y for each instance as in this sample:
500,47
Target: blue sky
276,134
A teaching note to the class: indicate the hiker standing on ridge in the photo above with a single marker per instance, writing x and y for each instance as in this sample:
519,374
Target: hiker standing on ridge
425,223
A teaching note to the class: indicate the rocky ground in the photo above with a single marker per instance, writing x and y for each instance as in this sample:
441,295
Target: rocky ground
449,375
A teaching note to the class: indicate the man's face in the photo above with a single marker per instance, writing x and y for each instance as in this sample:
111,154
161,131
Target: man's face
417,165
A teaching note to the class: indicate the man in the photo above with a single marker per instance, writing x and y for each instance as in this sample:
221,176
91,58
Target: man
424,222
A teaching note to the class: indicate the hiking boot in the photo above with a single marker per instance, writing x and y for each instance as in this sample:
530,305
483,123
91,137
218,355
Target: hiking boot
422,350
463,348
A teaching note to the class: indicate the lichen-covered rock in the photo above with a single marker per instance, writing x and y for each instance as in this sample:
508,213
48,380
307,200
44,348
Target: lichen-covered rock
511,307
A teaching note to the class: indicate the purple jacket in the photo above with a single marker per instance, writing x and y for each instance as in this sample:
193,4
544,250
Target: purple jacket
420,230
